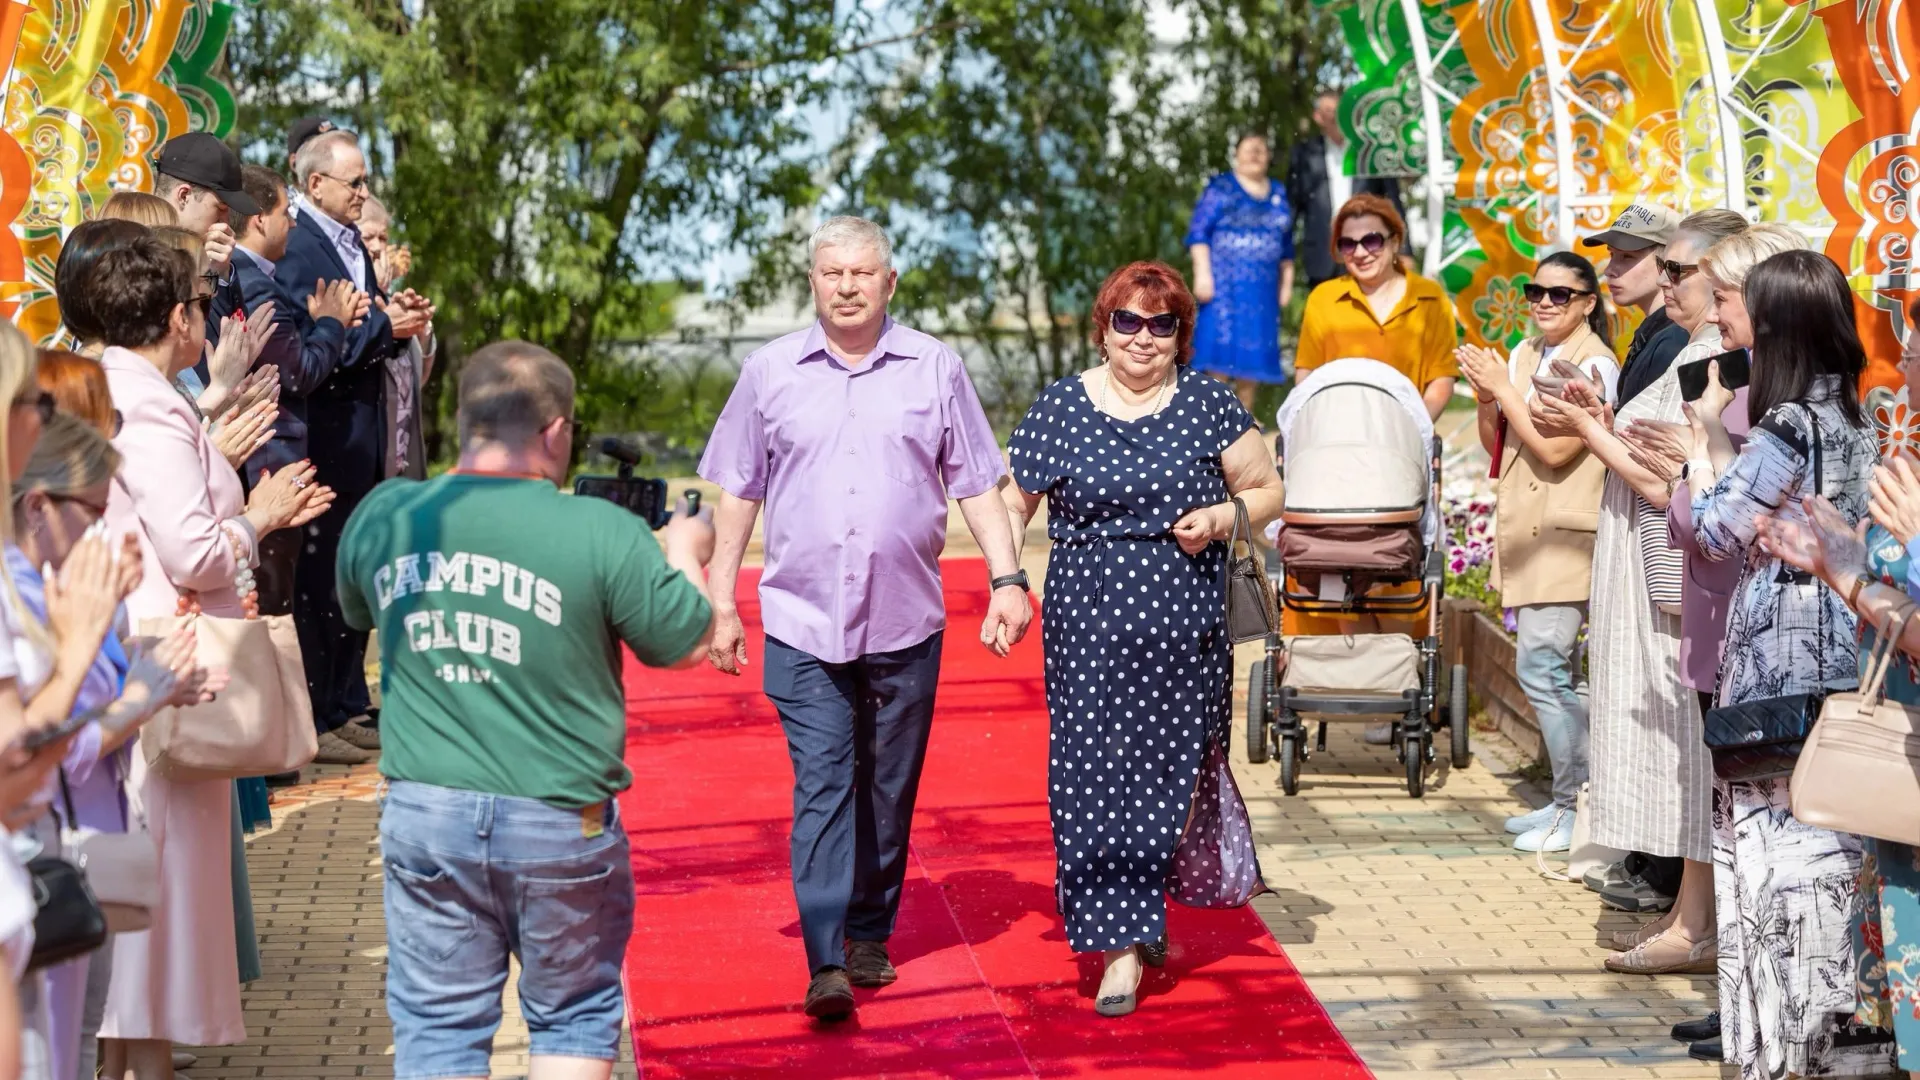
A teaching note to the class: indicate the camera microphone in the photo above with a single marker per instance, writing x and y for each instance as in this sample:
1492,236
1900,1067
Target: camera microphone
620,451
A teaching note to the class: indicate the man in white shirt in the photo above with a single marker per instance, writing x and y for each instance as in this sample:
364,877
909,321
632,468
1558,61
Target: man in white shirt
1317,183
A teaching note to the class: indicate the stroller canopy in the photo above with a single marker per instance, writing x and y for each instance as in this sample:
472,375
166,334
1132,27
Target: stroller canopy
1357,443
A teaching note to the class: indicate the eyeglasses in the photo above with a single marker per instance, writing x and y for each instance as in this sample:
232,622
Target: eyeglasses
41,402
1128,323
118,423
1676,272
1557,295
357,184
203,299
1373,242
98,510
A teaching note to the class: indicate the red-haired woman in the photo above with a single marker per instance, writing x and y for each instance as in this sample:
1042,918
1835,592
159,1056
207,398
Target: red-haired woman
1139,460
1377,310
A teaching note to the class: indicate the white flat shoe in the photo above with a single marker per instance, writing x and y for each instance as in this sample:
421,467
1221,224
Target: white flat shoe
1531,820
1548,837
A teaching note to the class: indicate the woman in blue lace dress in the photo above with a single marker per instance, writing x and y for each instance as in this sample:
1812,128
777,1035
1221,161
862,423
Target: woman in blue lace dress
1241,240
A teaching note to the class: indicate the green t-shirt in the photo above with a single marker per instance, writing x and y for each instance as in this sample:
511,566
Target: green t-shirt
500,604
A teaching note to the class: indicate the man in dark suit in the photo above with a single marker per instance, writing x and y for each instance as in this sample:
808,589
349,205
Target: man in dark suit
306,345
346,413
1317,184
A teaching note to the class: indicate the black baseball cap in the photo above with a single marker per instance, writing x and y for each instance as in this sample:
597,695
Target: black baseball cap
199,158
306,128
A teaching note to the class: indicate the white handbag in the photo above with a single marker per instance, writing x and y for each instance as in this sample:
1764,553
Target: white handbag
122,869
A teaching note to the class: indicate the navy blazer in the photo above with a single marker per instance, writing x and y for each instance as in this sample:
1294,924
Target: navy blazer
305,350
346,413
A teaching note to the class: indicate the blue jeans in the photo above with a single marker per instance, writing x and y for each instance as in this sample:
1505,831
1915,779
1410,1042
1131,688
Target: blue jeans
471,878
1549,635
857,733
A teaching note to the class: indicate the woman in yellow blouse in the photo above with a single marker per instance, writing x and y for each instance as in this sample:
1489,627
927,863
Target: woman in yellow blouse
1377,310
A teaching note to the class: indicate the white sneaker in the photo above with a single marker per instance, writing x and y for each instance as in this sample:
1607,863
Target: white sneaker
1525,823
1548,837
1379,734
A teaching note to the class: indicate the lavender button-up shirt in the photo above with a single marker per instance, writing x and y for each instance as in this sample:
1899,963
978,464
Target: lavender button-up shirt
854,466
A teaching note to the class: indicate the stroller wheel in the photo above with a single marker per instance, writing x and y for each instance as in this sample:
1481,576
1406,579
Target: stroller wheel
1416,767
1290,764
1457,717
1259,735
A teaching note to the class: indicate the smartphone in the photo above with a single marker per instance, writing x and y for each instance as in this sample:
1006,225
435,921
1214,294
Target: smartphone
1735,372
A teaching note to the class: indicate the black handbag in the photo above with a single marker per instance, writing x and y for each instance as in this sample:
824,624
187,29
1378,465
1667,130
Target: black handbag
1252,613
68,922
1761,739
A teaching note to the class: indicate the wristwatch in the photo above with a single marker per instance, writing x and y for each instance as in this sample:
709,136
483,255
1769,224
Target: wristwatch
1018,577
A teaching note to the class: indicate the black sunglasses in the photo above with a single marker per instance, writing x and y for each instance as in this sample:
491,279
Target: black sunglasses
1129,323
1557,295
1373,242
118,423
42,403
1676,272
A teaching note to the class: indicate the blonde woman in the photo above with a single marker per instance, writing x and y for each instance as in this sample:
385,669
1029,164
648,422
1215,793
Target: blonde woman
1650,773
197,534
139,206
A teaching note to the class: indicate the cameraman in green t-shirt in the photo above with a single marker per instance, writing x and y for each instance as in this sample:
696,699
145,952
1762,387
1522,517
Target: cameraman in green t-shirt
501,603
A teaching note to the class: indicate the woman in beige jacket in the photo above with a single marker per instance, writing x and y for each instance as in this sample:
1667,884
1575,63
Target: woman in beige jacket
1548,507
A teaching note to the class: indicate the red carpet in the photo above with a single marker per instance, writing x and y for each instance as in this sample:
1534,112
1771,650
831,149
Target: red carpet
987,986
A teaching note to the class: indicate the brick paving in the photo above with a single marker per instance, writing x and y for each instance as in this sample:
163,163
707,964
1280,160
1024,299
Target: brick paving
1439,952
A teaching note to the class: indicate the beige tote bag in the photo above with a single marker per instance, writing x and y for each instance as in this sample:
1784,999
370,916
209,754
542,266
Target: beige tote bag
1859,771
261,724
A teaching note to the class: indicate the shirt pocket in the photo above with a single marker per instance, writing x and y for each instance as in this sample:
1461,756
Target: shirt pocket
911,447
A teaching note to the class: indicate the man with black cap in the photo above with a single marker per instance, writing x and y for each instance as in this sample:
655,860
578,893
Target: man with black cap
1634,243
200,176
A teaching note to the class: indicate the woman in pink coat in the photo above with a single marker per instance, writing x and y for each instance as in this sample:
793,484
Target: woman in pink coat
177,982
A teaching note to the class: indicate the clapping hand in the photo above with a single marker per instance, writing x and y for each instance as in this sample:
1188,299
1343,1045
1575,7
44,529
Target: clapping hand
218,247
1894,499
1660,448
287,498
1823,544
239,437
1485,369
82,599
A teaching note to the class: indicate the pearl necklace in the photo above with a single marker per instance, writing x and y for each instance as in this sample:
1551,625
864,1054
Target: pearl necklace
1159,393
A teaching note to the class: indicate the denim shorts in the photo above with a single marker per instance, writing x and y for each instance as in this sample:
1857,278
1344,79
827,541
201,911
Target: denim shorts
471,878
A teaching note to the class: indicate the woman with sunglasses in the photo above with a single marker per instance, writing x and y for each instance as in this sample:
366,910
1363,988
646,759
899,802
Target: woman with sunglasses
1378,310
1649,774
178,981
1548,506
1139,460
1241,240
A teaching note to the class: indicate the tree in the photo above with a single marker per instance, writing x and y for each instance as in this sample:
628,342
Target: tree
1026,148
548,159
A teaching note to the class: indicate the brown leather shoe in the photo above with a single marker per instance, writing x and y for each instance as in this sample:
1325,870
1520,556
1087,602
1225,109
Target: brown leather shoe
335,750
868,965
830,995
355,734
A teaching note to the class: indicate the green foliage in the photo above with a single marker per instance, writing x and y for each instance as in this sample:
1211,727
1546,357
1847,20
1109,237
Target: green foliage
546,158
1034,146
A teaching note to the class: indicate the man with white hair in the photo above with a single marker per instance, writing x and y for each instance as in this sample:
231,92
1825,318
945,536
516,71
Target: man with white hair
854,432
347,423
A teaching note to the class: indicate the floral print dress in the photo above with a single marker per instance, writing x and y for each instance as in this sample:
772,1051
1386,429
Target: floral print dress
1887,930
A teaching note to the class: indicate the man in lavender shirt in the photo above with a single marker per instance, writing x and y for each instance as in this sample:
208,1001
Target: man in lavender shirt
854,433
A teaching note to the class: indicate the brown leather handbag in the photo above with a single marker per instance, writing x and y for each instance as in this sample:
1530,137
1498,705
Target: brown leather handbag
1252,612
1860,769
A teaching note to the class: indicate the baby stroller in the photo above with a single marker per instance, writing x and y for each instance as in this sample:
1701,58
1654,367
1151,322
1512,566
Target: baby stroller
1359,537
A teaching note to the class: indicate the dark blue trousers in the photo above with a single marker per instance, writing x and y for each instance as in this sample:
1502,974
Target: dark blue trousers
858,736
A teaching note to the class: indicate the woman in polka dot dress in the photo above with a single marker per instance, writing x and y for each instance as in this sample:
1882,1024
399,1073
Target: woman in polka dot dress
1137,460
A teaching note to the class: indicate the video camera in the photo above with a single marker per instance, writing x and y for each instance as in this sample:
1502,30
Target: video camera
644,497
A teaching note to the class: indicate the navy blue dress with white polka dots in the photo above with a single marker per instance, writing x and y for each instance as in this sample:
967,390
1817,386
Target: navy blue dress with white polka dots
1139,670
